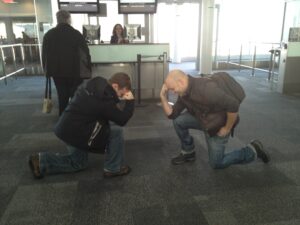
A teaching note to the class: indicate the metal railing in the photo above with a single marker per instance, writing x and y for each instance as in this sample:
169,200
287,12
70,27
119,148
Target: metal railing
10,59
251,54
18,58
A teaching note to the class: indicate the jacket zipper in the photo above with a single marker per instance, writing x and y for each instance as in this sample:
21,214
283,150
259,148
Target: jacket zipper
95,132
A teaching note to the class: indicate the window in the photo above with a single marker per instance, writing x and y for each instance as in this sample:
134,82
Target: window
178,29
3,35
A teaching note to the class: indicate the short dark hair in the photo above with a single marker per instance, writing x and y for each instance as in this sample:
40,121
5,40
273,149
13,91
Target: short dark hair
122,79
63,16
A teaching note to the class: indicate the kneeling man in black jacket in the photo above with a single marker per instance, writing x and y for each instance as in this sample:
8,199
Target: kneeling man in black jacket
92,122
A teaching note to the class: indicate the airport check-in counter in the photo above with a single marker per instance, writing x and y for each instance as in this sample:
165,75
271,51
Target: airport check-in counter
146,64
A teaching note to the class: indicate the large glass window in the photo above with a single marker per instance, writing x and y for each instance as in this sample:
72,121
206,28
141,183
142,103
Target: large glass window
249,23
179,28
292,18
3,35
25,32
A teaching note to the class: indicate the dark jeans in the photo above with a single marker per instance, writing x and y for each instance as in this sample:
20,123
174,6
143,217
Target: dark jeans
218,158
77,159
65,87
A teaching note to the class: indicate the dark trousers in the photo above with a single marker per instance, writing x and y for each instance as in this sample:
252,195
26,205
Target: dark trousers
65,88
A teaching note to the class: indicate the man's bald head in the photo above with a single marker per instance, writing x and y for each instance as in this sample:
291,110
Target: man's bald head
177,81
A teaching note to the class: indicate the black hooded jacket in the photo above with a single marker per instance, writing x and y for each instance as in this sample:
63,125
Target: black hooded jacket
95,101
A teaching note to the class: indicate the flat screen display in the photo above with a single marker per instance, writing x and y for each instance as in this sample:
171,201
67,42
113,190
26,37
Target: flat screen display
137,1
77,1
137,6
132,32
79,6
91,32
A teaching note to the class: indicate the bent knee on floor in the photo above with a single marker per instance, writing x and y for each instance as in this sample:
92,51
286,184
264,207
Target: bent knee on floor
79,166
216,165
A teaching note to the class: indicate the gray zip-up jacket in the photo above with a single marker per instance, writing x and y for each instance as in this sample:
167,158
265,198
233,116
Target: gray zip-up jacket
205,100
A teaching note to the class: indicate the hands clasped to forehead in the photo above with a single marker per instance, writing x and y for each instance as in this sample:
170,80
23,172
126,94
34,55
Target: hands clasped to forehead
164,90
128,96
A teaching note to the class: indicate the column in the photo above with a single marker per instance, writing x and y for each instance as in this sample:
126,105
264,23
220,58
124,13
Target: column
206,36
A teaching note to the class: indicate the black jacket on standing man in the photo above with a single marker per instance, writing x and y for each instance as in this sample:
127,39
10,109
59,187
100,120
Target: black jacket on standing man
60,55
60,51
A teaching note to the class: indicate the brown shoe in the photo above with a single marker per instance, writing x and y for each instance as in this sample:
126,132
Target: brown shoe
34,164
123,171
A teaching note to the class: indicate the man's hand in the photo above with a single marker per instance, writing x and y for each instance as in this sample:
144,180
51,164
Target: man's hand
231,118
128,96
164,100
223,132
163,92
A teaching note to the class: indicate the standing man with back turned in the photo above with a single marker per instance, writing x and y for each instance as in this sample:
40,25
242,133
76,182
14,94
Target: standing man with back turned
60,56
206,103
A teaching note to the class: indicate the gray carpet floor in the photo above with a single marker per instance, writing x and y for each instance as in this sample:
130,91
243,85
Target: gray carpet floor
155,192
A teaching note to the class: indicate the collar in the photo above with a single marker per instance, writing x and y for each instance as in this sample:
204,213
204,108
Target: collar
63,24
189,87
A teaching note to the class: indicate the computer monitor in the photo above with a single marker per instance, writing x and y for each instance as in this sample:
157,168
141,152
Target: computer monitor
137,6
79,6
91,33
133,32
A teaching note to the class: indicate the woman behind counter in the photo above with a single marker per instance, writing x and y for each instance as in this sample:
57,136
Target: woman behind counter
117,35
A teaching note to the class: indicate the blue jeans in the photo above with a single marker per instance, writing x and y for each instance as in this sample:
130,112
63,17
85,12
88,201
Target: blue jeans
77,159
218,159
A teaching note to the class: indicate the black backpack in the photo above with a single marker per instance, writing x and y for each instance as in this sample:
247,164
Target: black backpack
229,85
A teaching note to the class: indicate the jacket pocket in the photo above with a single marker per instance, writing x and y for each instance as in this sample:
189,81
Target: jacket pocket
212,122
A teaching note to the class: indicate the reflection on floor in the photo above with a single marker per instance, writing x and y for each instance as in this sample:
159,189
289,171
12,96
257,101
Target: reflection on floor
155,192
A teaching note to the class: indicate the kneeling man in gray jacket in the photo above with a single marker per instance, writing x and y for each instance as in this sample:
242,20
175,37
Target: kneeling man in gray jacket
212,109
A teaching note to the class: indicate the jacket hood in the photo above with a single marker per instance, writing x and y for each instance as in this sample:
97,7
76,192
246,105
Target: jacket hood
100,88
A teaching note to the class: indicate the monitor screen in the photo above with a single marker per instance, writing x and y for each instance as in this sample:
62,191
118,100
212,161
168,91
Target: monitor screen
137,1
91,33
137,6
133,32
79,6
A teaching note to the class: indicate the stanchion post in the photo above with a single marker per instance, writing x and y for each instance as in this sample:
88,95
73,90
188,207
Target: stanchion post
270,63
139,60
228,59
23,58
254,62
240,59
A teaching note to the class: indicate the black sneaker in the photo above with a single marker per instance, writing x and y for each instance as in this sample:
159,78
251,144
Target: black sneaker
261,153
182,158
34,164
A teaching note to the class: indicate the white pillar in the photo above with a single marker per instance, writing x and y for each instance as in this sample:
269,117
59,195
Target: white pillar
9,30
177,36
206,37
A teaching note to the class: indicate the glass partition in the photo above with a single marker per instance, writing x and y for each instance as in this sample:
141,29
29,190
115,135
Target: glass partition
292,18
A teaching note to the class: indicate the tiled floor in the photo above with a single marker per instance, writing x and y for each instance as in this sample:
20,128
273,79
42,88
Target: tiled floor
156,192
